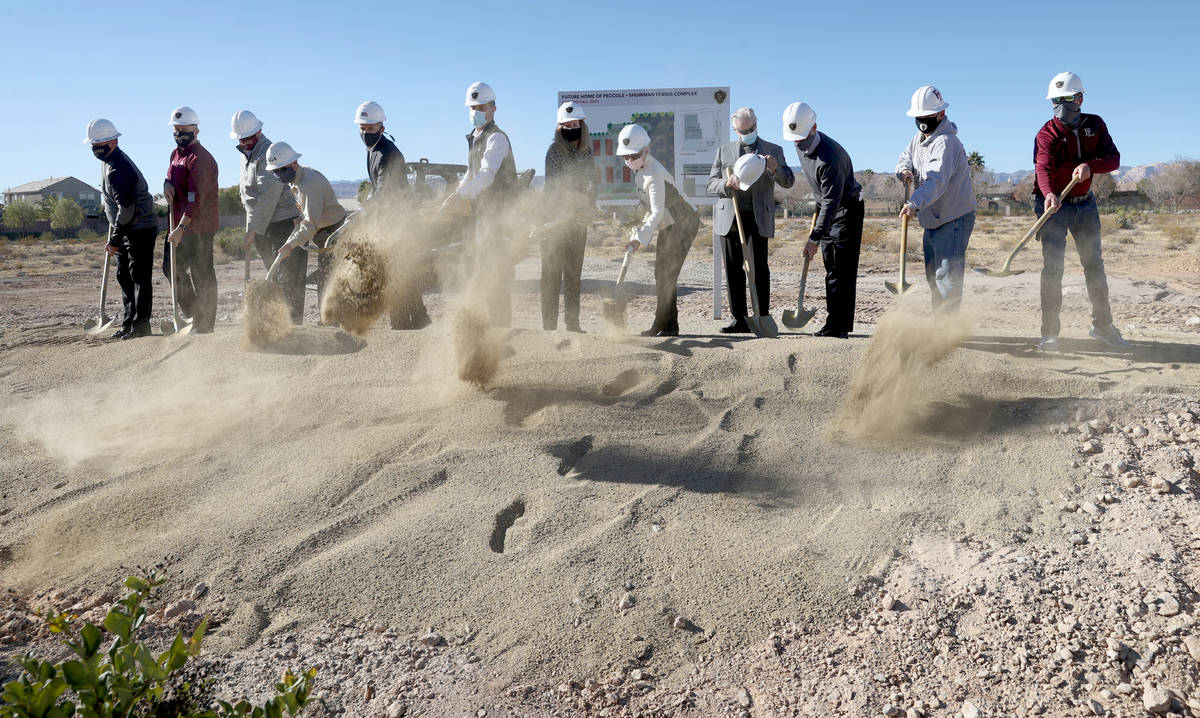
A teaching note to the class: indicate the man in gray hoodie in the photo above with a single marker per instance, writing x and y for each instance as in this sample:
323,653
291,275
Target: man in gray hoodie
944,200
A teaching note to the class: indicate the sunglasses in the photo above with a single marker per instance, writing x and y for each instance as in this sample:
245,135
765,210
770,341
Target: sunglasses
746,132
1065,100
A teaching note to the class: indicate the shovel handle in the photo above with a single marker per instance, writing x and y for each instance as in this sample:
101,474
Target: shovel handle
1037,225
104,281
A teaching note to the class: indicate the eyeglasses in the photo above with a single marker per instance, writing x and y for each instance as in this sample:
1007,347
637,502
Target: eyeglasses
746,132
1066,99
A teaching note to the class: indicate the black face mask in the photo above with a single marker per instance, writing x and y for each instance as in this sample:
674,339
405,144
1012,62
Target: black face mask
183,139
286,174
370,138
102,151
572,135
928,124
1068,112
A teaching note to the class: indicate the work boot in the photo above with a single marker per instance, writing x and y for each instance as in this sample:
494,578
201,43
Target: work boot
119,333
739,326
827,331
575,328
1048,344
1110,336
136,333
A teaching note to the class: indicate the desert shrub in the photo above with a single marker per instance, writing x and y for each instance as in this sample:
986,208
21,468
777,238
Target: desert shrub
983,227
1126,218
874,236
46,237
115,675
87,234
229,242
1179,235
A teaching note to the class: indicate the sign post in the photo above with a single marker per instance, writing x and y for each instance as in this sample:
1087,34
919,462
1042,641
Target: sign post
686,126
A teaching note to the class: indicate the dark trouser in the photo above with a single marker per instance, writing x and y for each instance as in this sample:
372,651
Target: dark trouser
735,275
946,252
135,259
840,254
562,268
195,279
291,271
1084,222
674,242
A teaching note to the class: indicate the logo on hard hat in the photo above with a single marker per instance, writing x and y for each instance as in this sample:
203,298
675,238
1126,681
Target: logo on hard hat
792,126
180,114
474,95
936,93
570,108
625,141
363,113
1059,84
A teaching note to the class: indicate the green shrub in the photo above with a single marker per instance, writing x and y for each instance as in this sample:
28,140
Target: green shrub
88,234
1127,218
229,242
46,236
125,678
1179,235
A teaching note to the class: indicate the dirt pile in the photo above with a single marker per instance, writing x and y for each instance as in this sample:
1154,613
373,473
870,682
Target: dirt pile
356,292
476,349
267,319
889,389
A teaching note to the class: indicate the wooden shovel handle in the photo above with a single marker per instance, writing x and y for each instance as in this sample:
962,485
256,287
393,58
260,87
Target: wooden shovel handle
1037,225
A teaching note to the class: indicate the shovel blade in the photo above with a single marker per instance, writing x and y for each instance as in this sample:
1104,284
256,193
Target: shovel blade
756,326
798,319
767,324
898,289
1001,273
169,328
99,324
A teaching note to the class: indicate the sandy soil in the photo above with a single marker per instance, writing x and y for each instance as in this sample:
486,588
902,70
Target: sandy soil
616,525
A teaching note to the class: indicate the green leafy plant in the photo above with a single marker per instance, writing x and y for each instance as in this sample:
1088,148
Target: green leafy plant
124,678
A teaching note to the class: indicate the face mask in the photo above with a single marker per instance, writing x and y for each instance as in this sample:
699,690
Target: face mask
183,139
1068,112
246,145
370,138
807,143
478,118
286,174
928,124
636,163
750,138
102,151
572,135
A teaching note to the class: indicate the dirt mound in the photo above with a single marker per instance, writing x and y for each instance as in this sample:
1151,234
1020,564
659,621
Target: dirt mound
889,391
476,350
267,318
356,292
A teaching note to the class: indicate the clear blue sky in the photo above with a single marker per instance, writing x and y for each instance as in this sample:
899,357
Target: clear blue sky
304,66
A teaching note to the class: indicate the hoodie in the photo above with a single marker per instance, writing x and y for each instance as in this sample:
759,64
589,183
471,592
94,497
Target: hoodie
939,164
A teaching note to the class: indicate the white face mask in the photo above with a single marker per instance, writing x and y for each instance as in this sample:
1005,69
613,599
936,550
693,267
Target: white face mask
635,163
478,118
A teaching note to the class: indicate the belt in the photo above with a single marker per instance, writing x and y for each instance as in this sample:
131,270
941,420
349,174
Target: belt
1078,200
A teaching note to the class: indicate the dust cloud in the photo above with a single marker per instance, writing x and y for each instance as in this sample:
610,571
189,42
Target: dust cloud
267,319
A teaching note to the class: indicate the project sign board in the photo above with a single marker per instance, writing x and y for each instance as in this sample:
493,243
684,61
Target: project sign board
686,125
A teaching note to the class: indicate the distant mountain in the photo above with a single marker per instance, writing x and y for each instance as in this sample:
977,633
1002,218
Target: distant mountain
346,189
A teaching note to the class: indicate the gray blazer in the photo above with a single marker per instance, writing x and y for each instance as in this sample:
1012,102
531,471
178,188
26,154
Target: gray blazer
762,191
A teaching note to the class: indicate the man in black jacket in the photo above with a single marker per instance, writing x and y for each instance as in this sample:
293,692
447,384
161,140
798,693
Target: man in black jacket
388,175
840,211
132,227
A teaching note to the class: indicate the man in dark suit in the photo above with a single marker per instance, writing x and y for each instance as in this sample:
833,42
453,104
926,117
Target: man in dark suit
757,208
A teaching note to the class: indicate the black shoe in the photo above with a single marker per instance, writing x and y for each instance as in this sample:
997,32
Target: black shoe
825,331
652,331
671,330
136,333
575,328
739,326
120,333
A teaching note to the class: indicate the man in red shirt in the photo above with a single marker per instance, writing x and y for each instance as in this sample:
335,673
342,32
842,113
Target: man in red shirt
1073,144
191,193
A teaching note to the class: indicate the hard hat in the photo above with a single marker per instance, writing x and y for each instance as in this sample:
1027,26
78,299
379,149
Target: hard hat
798,121
748,169
568,111
480,93
369,113
280,154
244,125
101,131
927,101
1064,84
632,140
184,116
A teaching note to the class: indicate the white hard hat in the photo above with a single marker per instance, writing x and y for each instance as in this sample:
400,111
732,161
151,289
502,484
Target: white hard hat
280,154
568,111
632,140
369,113
927,101
1063,85
748,169
798,121
244,125
101,131
480,93
184,116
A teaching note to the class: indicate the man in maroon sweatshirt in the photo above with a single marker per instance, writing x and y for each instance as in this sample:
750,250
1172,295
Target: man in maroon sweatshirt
1073,144
191,193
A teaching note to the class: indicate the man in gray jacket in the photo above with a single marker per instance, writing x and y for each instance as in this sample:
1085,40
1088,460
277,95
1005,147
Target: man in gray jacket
271,210
944,201
757,208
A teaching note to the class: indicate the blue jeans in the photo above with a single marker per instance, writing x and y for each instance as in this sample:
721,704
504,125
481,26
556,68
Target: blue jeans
1084,222
946,249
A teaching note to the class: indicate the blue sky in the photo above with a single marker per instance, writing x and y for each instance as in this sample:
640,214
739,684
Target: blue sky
303,67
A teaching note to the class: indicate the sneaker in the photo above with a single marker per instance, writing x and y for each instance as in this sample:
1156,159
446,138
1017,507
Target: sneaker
1110,336
1048,344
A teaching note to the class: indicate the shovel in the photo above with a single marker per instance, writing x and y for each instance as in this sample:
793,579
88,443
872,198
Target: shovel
614,304
798,318
176,325
1006,270
902,287
763,325
102,323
